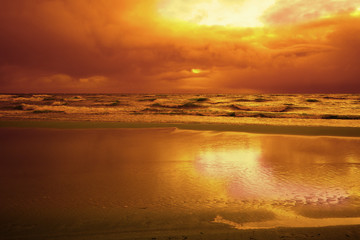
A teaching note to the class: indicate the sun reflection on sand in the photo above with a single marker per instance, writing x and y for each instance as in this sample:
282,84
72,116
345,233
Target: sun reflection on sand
240,168
244,160
247,176
288,177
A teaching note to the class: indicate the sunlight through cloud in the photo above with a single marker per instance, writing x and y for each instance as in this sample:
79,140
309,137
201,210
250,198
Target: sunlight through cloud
217,12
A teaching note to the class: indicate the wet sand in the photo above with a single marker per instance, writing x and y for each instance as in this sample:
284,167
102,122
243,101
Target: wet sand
307,130
167,183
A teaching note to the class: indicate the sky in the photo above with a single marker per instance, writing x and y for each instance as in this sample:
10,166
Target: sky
180,46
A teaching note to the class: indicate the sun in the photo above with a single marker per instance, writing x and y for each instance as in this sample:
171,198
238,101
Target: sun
196,70
245,13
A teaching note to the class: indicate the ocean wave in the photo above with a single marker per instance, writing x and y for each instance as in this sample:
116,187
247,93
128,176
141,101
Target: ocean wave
325,109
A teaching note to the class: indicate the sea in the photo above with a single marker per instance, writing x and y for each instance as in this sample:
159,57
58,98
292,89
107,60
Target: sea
341,110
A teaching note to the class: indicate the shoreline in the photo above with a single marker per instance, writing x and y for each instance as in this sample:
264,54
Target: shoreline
246,128
289,233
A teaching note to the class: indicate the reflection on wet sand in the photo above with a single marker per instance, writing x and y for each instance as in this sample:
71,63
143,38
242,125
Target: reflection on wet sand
131,180
294,177
285,167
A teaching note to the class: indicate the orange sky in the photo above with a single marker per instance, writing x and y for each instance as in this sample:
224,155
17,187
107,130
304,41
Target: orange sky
207,46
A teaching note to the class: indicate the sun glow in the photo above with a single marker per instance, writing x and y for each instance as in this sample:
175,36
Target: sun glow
216,12
356,13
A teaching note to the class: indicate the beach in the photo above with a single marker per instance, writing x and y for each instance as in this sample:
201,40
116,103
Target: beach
170,183
179,120
181,166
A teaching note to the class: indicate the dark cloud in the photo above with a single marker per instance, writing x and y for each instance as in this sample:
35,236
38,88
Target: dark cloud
123,46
